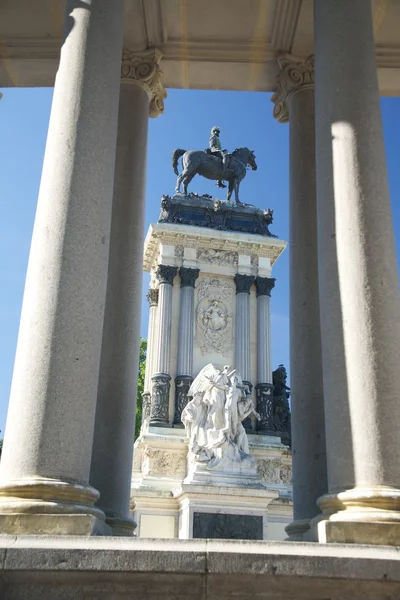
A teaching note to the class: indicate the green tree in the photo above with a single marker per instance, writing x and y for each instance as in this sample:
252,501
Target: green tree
140,387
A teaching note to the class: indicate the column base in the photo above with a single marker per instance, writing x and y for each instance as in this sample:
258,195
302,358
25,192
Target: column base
360,516
46,524
50,506
121,526
297,529
159,412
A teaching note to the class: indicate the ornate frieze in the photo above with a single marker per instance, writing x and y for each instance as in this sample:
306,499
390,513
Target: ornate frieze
179,251
182,385
243,283
264,285
152,297
166,273
143,69
188,276
218,257
160,399
214,315
294,76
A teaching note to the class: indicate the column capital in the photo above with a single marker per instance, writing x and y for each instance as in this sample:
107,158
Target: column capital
188,276
264,285
143,69
152,297
295,75
166,273
243,283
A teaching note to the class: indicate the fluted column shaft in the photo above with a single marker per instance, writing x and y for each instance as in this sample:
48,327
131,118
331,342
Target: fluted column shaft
358,280
295,102
152,297
184,368
264,387
242,339
116,400
49,434
161,378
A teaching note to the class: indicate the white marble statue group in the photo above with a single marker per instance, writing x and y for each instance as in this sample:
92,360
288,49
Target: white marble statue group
213,418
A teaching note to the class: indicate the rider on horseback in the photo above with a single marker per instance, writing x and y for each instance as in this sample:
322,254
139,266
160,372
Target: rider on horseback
216,148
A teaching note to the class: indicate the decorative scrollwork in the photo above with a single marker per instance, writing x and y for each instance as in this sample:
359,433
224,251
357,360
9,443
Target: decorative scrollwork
142,68
294,75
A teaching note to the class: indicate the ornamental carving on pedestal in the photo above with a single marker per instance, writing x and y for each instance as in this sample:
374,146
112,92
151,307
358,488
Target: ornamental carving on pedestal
214,315
161,462
142,68
294,75
275,471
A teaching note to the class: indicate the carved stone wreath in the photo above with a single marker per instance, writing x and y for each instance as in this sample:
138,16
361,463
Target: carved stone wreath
275,471
214,315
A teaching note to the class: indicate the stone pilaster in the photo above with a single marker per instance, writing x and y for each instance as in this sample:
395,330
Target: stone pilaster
45,462
161,378
294,101
141,93
264,387
358,282
184,376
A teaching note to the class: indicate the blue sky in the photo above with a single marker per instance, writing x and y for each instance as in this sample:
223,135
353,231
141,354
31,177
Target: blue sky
245,119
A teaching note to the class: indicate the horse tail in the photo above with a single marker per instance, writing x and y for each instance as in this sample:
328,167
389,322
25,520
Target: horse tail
175,157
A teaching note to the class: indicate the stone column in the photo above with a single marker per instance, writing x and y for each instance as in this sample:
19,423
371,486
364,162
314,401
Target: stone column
152,297
264,387
184,368
48,442
161,377
111,468
294,102
242,339
358,282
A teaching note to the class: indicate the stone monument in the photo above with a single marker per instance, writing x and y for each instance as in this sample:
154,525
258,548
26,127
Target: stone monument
212,459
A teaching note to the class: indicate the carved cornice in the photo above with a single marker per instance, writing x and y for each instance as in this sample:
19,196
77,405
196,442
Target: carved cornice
264,285
143,69
152,297
243,283
295,75
188,276
166,274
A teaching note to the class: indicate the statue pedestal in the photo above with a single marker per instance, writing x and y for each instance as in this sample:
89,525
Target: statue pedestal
172,498
223,512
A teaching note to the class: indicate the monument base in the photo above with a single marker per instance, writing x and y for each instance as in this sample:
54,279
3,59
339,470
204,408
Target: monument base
167,491
219,512
73,568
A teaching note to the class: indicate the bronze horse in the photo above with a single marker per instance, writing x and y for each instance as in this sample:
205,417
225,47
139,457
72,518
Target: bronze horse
197,162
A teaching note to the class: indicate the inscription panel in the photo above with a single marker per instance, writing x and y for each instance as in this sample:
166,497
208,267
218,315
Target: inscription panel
227,527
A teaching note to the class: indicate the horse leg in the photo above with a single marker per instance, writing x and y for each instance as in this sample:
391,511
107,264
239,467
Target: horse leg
237,183
188,179
181,178
230,189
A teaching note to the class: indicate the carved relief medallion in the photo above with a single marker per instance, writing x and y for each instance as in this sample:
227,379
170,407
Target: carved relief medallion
214,315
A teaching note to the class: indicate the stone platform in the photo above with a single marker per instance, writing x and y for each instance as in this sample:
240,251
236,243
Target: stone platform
74,568
206,211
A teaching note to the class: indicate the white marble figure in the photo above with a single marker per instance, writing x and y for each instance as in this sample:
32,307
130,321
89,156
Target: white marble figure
213,418
213,317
